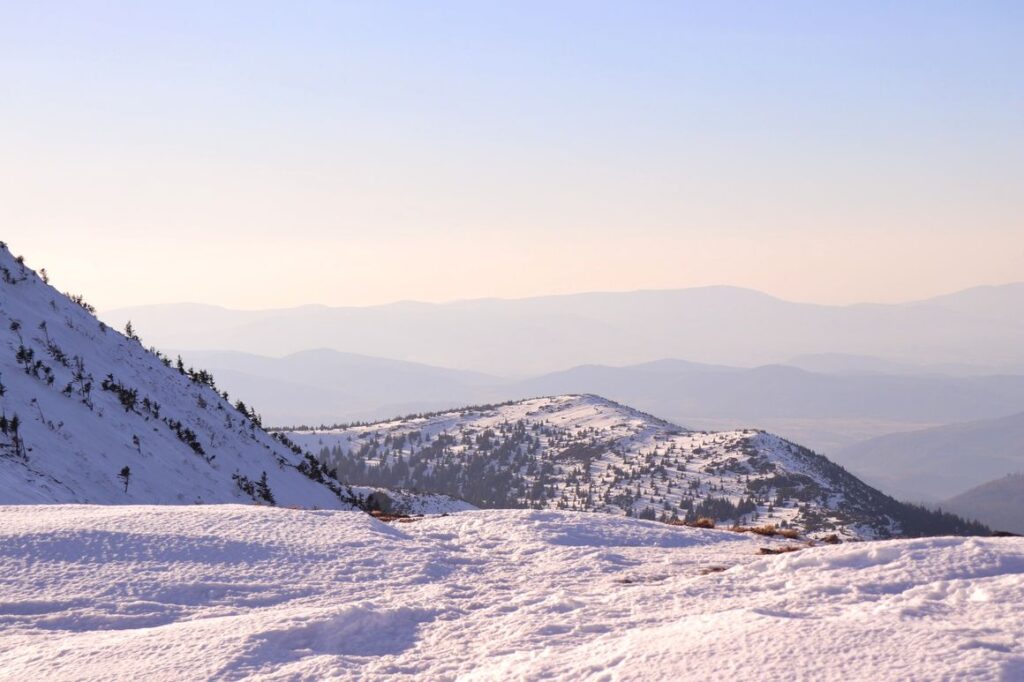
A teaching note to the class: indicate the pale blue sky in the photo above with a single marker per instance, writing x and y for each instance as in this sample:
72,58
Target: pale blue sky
361,153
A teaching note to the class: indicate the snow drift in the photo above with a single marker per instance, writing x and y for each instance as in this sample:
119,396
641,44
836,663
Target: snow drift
228,592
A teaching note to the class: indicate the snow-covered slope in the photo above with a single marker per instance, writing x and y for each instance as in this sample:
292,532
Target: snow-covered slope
585,453
226,592
81,402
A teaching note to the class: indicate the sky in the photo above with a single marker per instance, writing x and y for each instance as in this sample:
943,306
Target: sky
266,154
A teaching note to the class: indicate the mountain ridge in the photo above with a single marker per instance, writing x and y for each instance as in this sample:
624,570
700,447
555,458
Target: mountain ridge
937,298
588,453
530,336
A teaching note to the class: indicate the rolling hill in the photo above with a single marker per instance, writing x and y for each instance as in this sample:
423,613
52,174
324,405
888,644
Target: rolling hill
586,453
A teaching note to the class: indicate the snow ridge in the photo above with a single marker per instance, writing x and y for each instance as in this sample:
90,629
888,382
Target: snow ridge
586,453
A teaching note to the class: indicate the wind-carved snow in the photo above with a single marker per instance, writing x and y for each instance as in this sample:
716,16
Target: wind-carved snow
228,592
585,453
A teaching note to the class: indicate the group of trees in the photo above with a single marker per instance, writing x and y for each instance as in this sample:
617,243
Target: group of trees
258,490
11,429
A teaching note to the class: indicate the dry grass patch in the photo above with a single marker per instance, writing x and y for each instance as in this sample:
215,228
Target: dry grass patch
768,530
708,570
387,517
779,550
702,522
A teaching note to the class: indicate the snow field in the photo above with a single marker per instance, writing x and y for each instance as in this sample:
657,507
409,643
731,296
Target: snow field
232,592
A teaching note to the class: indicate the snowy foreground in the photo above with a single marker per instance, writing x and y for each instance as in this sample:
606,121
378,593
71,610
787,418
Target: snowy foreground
155,593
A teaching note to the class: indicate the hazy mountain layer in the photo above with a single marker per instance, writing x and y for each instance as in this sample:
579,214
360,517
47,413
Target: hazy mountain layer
937,463
981,326
826,411
998,504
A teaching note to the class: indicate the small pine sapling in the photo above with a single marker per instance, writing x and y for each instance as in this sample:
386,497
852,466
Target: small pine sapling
125,475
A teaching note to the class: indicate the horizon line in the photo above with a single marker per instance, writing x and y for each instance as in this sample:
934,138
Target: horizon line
621,292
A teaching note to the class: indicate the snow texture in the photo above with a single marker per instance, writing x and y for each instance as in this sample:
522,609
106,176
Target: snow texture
593,454
240,591
182,442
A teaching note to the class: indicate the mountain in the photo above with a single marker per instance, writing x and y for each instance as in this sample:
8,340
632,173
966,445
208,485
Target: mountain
998,504
89,415
323,386
586,453
937,463
525,337
842,363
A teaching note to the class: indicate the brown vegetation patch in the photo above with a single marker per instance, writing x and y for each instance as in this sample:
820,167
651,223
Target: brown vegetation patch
387,517
779,550
707,570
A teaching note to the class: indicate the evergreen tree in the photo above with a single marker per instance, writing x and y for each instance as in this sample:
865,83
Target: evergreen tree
263,489
126,473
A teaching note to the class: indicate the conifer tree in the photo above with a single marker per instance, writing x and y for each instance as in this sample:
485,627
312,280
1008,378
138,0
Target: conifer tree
263,489
126,473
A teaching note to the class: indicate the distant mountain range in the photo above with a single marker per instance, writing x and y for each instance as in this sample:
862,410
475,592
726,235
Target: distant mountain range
831,377
825,411
980,327
326,386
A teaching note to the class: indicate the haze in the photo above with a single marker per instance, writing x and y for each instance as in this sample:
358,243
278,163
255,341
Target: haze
355,153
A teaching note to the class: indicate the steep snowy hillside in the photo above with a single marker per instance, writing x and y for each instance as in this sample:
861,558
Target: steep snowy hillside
233,592
90,415
586,453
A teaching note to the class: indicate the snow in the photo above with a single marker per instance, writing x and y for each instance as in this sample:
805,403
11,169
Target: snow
232,591
672,467
74,451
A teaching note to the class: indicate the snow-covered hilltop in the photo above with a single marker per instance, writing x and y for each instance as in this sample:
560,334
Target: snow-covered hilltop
89,415
585,453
